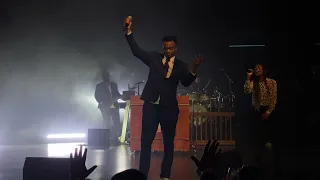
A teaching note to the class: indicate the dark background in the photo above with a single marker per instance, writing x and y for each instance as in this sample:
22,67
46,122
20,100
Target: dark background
51,53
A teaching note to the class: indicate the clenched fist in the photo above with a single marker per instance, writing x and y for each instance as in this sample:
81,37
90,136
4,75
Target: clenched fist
128,23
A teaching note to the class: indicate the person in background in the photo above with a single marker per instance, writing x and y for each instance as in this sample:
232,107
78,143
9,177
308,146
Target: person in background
264,100
107,95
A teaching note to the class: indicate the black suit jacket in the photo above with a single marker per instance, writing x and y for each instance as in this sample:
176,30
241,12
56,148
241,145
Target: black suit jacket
157,84
104,96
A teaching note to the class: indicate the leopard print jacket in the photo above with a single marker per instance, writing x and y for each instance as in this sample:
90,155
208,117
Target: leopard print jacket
267,99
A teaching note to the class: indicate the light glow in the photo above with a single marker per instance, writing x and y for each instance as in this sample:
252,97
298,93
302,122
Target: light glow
62,149
121,101
65,136
122,162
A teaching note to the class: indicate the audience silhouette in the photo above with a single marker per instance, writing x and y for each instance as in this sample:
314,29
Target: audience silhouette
129,174
78,169
208,167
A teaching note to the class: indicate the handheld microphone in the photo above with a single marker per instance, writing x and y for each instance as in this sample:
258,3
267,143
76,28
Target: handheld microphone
249,70
125,27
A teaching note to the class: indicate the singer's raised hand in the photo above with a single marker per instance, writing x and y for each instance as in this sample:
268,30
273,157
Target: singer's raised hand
128,23
196,61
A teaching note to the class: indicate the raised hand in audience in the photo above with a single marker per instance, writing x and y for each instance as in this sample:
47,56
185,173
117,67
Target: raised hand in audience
208,159
250,172
78,170
227,175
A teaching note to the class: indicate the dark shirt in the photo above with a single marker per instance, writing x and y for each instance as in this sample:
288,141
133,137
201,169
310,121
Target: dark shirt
107,94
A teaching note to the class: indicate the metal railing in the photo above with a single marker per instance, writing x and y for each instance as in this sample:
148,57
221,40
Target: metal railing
206,126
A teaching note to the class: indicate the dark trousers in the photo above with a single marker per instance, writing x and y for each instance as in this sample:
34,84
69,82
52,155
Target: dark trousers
261,129
152,115
112,114
260,132
116,129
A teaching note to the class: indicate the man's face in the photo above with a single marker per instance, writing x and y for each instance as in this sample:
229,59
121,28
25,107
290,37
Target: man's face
105,78
258,70
169,48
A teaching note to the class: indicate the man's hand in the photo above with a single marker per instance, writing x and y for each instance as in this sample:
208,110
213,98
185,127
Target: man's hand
128,23
227,175
208,159
265,115
77,164
120,97
197,60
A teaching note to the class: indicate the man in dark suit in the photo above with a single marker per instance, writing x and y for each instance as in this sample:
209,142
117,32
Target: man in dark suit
159,96
107,95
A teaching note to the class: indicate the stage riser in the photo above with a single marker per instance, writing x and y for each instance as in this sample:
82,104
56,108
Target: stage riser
211,126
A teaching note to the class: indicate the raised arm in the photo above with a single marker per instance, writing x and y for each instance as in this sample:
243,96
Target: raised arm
248,85
136,50
190,75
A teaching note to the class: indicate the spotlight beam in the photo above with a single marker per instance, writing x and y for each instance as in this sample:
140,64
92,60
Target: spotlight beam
66,136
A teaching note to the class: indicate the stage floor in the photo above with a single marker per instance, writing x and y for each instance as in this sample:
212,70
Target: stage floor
109,162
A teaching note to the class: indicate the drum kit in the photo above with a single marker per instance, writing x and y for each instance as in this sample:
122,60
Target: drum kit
201,100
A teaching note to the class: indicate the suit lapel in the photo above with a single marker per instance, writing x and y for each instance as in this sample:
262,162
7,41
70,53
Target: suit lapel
106,89
175,68
162,70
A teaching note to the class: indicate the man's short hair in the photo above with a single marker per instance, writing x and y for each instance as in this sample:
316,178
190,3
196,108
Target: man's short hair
170,38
